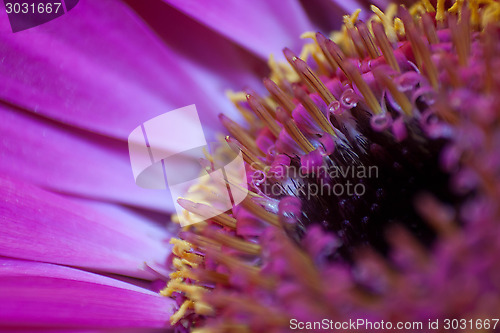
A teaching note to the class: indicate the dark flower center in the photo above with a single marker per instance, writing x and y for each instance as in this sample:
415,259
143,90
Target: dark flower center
391,175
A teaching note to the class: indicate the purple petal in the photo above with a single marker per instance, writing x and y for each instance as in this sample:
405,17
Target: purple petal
100,68
42,226
327,15
71,161
263,27
45,295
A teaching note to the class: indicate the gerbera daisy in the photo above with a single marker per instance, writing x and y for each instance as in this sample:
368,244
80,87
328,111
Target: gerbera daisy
82,246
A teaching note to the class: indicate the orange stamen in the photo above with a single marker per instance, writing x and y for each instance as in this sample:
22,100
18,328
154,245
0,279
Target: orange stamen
279,96
385,45
264,115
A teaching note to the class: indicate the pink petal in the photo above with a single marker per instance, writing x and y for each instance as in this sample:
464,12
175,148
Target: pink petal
42,226
327,15
100,68
5,27
348,7
216,63
263,27
44,295
72,161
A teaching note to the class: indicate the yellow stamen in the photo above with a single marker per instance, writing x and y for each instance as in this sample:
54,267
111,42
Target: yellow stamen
280,72
474,12
280,96
417,9
237,98
182,263
192,291
308,34
429,30
264,115
367,40
209,276
460,33
353,18
387,21
355,76
440,10
428,6
240,134
249,157
203,308
295,133
399,26
235,243
181,312
422,53
207,210
291,58
182,249
321,40
202,242
260,212
314,81
169,290
342,37
457,7
314,111
311,50
385,46
490,14
336,53
180,246
356,39
398,96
